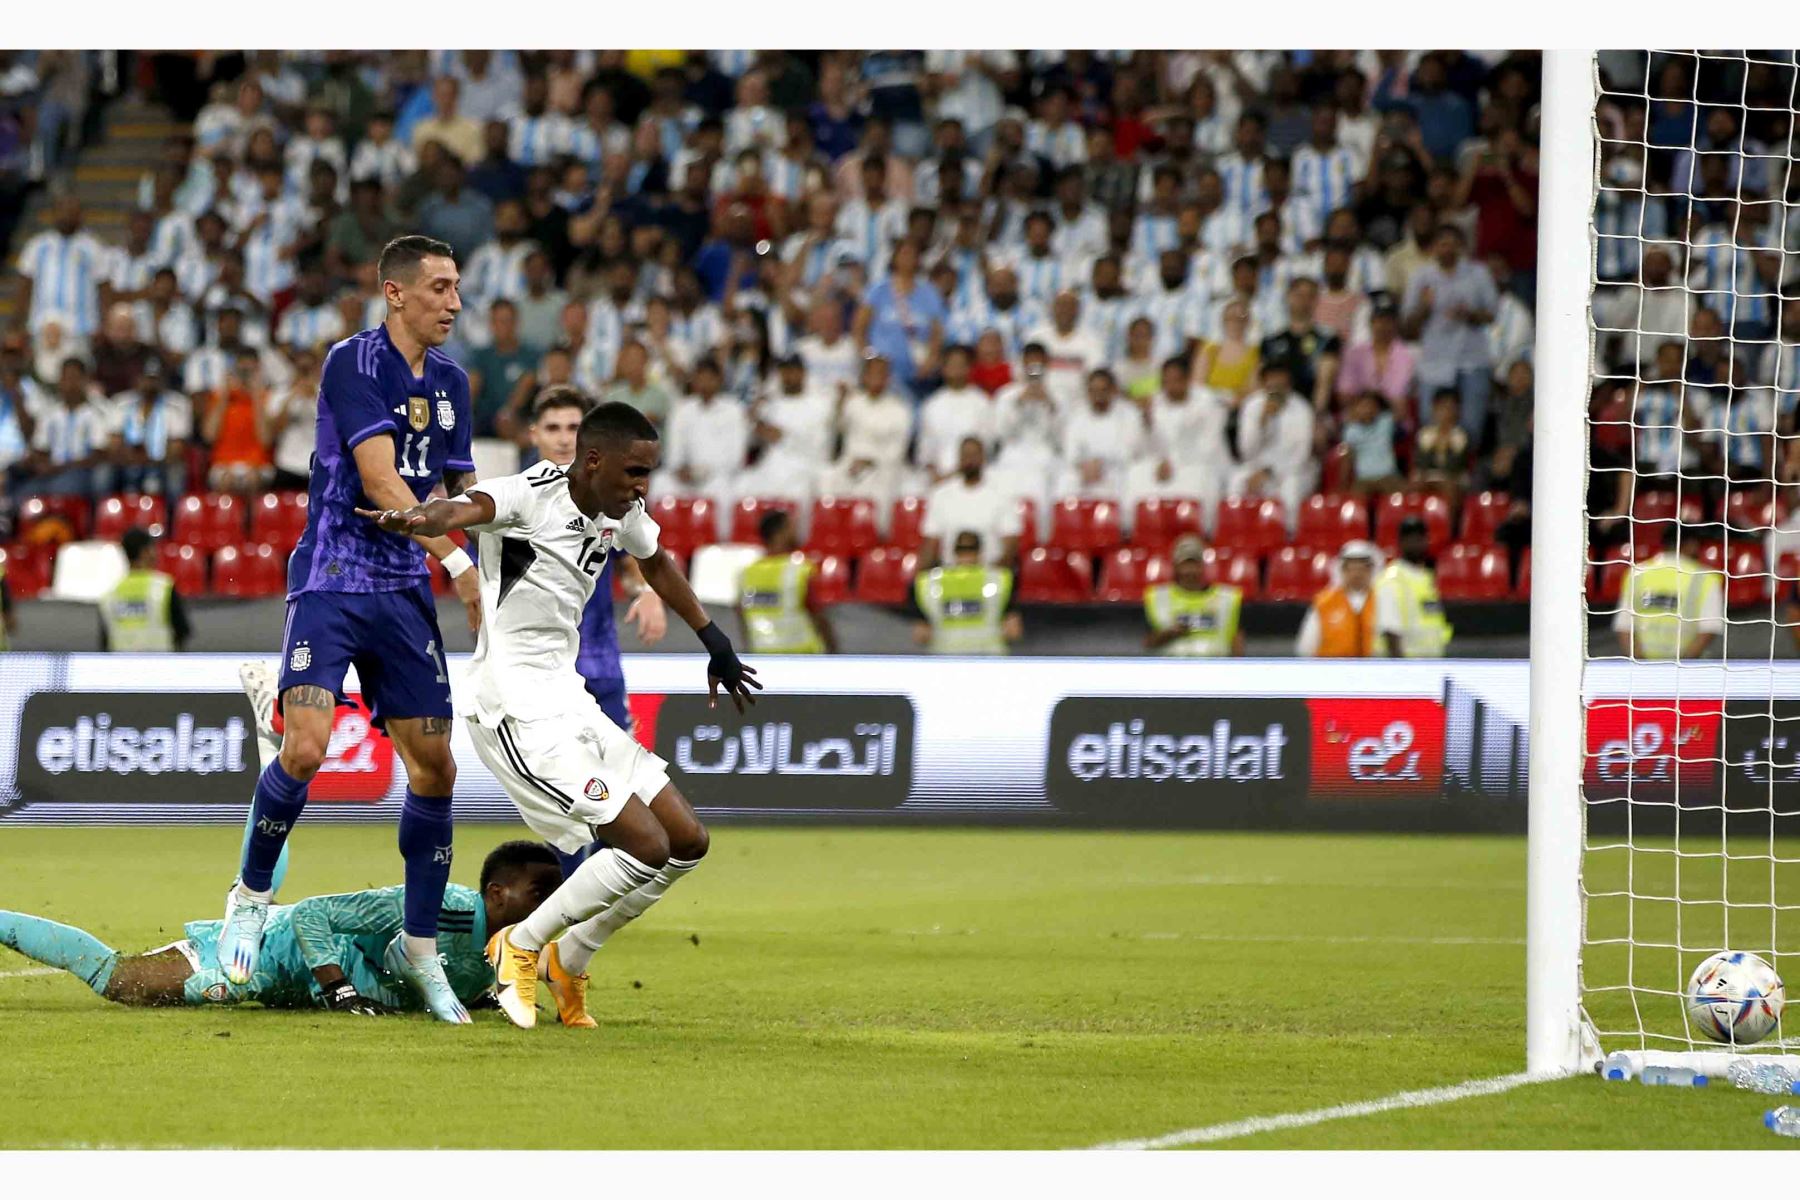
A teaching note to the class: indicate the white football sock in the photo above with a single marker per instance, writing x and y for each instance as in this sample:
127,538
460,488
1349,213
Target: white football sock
576,947
595,885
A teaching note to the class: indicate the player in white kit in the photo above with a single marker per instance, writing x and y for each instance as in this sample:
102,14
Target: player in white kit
576,777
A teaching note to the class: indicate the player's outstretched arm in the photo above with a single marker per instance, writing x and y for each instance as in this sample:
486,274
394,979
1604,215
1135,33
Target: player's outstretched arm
323,924
724,667
434,518
382,484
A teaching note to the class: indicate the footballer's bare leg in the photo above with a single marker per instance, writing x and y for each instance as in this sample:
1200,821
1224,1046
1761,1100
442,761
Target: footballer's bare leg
637,849
308,711
426,829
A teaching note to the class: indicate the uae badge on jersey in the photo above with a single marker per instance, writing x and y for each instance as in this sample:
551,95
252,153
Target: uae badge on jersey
595,790
446,412
418,413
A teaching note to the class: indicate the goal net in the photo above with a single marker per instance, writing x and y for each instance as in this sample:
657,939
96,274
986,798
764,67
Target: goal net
1689,789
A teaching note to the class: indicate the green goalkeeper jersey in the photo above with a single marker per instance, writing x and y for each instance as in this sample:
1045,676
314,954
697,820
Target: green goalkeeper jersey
351,930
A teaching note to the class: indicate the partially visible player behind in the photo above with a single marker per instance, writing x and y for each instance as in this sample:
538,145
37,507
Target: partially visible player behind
324,951
394,419
576,777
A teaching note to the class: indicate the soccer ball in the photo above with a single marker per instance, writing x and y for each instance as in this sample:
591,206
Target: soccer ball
1735,997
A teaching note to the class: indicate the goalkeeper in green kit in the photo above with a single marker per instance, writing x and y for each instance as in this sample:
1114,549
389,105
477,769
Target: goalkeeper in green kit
323,951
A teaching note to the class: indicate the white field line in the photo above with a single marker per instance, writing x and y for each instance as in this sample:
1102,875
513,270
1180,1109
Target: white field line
1318,1116
29,973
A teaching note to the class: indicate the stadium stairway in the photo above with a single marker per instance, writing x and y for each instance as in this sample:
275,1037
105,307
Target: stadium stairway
105,176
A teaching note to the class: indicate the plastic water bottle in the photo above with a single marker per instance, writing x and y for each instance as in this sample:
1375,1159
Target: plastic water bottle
1617,1067
1784,1120
1770,1078
1672,1077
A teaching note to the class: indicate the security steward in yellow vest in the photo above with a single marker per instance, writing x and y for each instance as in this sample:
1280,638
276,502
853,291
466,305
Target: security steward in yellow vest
1670,606
143,612
965,607
1189,618
1408,613
775,601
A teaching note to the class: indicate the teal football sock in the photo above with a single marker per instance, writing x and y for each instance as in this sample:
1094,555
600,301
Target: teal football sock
76,951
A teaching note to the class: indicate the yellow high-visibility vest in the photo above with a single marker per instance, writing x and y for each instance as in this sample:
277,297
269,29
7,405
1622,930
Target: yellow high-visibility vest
772,594
1208,618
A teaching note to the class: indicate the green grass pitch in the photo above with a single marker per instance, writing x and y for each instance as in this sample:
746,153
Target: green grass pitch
866,988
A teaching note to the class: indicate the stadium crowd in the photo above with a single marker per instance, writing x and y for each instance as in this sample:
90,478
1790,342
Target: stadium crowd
1278,298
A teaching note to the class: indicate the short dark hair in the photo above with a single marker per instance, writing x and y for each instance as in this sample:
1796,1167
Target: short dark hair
400,258
135,541
615,423
772,523
559,395
508,857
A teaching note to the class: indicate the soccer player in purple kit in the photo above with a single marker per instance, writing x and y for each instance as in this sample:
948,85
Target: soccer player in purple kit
394,419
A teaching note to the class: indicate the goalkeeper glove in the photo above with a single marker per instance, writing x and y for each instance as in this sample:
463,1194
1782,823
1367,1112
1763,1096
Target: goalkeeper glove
343,997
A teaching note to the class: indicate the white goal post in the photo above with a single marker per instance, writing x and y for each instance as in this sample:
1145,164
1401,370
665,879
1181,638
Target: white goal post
1669,221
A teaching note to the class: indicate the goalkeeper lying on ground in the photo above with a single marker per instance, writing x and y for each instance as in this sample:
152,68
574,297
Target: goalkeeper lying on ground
325,950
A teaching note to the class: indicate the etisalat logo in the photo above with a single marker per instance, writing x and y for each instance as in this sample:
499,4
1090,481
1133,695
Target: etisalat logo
770,748
1127,751
95,744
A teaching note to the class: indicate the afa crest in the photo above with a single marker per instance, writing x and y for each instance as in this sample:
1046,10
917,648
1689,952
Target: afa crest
418,413
446,414
301,658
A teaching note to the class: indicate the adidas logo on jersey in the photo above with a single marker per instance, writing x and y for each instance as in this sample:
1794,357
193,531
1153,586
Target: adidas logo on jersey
578,525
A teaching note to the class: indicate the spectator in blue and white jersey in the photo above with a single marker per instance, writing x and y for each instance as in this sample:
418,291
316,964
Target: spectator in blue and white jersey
1746,419
1325,174
1081,227
1241,171
1176,306
1054,134
164,319
1513,333
313,320
1624,217
380,155
22,400
1042,272
65,269
208,369
317,142
811,252
535,134
70,440
952,176
971,86
1746,164
1106,307
891,82
1156,226
1657,415
753,124
491,83
1779,365
1449,304
147,444
870,225
996,306
599,134
497,267
134,264
902,319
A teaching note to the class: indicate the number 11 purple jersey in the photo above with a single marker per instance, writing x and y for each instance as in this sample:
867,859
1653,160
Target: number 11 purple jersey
366,390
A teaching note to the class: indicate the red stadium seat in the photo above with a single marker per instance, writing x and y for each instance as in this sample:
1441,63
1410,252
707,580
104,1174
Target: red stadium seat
279,518
1522,589
831,579
209,520
249,571
1466,572
687,523
186,565
1746,571
885,574
1752,511
1653,518
1238,568
1339,469
1158,522
119,513
1090,525
1028,525
54,519
908,518
842,526
1397,506
1328,521
1127,571
1609,583
1481,515
1049,575
748,513
28,568
1252,525
1297,574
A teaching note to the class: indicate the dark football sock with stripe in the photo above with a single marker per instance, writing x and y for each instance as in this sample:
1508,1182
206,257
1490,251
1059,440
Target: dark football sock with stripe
425,837
280,798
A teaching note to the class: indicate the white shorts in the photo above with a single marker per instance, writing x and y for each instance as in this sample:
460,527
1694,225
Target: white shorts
186,949
568,774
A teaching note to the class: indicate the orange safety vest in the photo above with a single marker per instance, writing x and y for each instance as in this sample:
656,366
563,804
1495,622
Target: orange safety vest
1343,632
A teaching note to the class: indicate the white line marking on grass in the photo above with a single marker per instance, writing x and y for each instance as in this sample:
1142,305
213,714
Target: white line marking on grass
1318,1116
29,973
